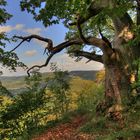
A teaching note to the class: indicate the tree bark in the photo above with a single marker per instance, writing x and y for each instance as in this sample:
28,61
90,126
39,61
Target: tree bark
120,73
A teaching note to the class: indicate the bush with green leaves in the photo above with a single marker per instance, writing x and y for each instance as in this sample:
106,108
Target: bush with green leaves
24,113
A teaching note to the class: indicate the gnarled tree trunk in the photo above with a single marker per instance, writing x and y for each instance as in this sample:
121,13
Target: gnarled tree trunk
120,71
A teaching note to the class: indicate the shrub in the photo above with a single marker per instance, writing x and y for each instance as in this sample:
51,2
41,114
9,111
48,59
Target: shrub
89,98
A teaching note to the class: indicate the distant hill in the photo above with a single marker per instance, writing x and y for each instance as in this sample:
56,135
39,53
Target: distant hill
14,82
87,75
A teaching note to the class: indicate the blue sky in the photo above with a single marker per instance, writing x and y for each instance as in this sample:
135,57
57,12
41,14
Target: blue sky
22,23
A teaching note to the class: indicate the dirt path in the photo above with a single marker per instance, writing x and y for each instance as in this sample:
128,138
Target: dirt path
66,131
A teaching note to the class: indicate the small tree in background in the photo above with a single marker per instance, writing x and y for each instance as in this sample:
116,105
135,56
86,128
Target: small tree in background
59,85
34,81
4,91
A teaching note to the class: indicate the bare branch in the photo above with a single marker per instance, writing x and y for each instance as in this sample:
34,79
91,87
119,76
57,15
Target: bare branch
54,50
41,66
77,41
29,38
17,46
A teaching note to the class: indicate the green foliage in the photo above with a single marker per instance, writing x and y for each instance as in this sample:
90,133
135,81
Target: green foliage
54,10
10,60
30,111
104,129
7,59
87,102
4,16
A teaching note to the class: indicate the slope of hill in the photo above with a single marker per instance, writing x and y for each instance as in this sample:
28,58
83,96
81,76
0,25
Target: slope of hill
87,75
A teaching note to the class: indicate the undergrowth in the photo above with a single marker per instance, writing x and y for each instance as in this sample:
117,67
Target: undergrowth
104,128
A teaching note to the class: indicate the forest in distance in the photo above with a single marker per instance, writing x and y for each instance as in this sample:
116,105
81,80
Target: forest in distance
80,67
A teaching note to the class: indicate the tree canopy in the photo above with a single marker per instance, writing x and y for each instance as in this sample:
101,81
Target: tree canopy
87,21
7,59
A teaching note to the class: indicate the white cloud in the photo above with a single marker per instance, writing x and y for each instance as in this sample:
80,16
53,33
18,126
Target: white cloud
40,43
36,31
30,53
67,63
6,29
19,27
64,62
9,28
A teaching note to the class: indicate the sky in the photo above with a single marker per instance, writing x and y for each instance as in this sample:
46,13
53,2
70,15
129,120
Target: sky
22,24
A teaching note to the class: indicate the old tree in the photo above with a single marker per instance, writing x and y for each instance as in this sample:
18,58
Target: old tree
111,26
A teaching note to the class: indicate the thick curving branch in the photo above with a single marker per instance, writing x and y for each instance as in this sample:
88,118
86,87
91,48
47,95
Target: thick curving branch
80,31
93,9
105,39
121,22
66,44
91,56
104,44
